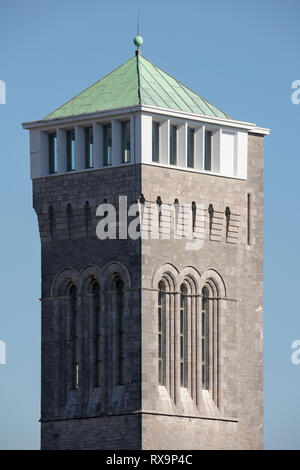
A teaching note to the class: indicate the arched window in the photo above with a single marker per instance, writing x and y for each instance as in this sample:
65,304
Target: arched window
183,335
205,338
97,332
161,317
120,329
74,338
188,333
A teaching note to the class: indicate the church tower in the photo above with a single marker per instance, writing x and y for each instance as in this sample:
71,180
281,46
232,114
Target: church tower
150,209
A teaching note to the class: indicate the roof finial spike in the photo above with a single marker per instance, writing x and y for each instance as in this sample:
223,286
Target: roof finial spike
138,40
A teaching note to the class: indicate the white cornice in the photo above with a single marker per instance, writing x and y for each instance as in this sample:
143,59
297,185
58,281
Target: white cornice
86,117
205,119
163,112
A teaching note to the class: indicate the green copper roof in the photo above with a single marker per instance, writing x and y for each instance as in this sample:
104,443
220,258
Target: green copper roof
138,81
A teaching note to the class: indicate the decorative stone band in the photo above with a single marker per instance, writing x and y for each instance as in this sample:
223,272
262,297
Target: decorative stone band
145,412
44,299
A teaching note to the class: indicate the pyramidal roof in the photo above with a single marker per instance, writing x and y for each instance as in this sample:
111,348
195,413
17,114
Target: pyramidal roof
137,82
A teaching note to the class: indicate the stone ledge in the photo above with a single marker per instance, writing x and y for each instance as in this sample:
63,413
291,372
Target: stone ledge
144,412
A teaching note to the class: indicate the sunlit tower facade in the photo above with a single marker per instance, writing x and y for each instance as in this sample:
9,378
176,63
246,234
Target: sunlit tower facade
149,342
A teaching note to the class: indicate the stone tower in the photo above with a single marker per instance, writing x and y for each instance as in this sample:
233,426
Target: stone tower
153,340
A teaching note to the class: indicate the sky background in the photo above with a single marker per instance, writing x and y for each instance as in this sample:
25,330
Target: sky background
242,56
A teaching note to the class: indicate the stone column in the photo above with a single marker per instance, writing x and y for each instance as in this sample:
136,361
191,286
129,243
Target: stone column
167,345
188,349
116,133
61,151
164,142
171,371
79,148
194,347
177,347
182,145
199,351
85,341
199,148
97,145
106,311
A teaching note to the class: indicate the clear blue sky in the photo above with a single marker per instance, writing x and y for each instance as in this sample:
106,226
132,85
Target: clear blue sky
242,56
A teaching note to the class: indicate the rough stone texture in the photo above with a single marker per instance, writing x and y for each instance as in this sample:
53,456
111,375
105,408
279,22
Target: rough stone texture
107,432
140,413
76,256
187,433
240,382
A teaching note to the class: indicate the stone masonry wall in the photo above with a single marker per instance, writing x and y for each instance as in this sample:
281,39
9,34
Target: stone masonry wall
107,432
239,265
171,417
71,250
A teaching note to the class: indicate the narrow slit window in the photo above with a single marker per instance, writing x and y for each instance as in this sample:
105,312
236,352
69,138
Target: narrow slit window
107,142
159,208
190,147
155,141
227,216
161,317
176,215
208,150
71,150
173,145
74,338
211,217
52,153
89,147
194,216
126,142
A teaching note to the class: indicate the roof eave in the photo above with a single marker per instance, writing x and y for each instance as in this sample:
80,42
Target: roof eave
80,117
250,126
52,123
